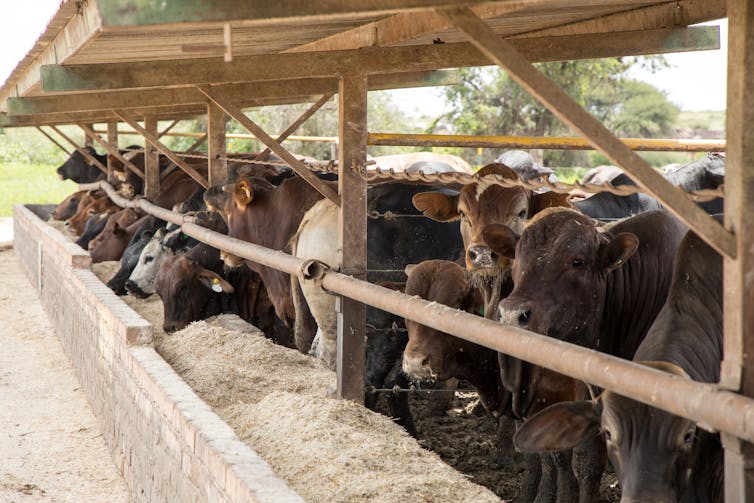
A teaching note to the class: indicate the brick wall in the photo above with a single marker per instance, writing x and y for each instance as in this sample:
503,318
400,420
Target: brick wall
168,444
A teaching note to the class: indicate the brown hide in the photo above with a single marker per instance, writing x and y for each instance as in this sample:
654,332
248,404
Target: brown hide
88,206
68,207
268,215
113,240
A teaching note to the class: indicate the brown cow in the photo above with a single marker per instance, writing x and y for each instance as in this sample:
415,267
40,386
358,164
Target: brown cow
268,215
68,207
479,205
114,238
89,206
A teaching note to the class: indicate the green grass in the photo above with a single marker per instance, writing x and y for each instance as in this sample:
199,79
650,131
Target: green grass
30,183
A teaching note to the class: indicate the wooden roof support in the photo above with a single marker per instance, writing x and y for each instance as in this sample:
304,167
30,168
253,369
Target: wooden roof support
237,114
398,28
571,113
90,159
298,122
352,234
371,60
100,116
217,165
53,140
152,139
254,94
112,150
193,148
737,370
122,13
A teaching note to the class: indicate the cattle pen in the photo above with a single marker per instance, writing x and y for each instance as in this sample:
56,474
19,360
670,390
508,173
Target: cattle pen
107,61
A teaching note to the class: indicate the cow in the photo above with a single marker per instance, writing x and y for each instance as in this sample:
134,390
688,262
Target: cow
656,455
480,204
94,226
433,355
131,254
79,169
68,207
89,206
114,238
523,163
599,287
707,172
426,162
140,283
608,206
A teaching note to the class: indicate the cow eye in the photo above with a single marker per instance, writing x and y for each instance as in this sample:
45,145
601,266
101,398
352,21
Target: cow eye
577,262
688,438
148,259
461,214
608,435
522,214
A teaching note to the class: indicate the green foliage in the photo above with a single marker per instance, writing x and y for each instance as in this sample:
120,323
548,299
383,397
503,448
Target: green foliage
27,183
27,145
488,102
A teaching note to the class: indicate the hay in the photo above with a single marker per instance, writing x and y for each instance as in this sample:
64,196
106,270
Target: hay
338,451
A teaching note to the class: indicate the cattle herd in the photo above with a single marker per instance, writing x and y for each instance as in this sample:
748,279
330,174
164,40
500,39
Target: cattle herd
617,274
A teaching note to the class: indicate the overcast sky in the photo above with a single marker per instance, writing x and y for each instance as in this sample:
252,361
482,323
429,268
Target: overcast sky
695,81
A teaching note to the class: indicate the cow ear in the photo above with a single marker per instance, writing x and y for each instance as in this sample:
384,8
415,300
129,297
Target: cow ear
437,206
501,239
558,427
619,250
214,282
243,193
544,200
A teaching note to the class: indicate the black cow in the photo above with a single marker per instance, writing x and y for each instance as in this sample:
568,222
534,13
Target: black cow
131,254
79,169
94,225
656,455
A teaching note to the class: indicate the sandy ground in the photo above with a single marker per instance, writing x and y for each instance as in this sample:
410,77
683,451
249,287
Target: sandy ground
51,448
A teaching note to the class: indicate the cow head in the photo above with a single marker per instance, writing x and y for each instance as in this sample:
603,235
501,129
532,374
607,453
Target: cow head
79,169
189,292
563,260
141,281
652,452
68,207
114,238
101,204
481,204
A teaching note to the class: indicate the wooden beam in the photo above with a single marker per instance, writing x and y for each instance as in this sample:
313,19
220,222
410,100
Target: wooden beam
167,112
69,78
90,159
112,139
571,113
193,148
151,157
123,13
53,140
217,165
151,138
352,234
297,123
256,94
112,149
88,140
237,114
398,28
737,371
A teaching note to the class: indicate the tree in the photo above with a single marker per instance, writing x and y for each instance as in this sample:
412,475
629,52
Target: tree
488,102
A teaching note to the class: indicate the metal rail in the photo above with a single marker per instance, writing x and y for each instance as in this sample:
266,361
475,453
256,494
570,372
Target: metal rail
494,141
708,404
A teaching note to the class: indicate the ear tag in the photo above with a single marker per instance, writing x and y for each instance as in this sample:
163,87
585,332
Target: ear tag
216,285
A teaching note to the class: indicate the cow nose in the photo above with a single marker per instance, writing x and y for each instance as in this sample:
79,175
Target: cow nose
417,367
481,256
517,316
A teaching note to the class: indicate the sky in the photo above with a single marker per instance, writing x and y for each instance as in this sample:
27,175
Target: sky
695,80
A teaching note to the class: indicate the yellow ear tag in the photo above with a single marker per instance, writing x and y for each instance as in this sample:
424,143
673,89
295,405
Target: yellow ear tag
216,285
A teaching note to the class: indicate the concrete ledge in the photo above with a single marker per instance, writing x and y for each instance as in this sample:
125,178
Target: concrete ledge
168,443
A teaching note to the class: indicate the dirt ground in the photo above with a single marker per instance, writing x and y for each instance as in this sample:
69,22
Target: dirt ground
51,448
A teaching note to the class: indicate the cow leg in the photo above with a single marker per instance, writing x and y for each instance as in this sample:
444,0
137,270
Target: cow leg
547,489
398,402
589,459
568,486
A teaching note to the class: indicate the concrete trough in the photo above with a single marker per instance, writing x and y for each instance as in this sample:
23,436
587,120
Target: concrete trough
168,443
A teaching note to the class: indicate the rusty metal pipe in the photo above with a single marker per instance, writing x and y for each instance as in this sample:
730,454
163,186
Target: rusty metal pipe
562,143
708,404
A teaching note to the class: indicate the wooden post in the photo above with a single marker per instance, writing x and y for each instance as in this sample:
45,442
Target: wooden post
352,223
216,151
88,140
151,161
112,139
737,371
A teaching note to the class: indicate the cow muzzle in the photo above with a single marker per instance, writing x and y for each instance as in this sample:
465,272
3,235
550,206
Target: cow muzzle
417,368
482,257
515,316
